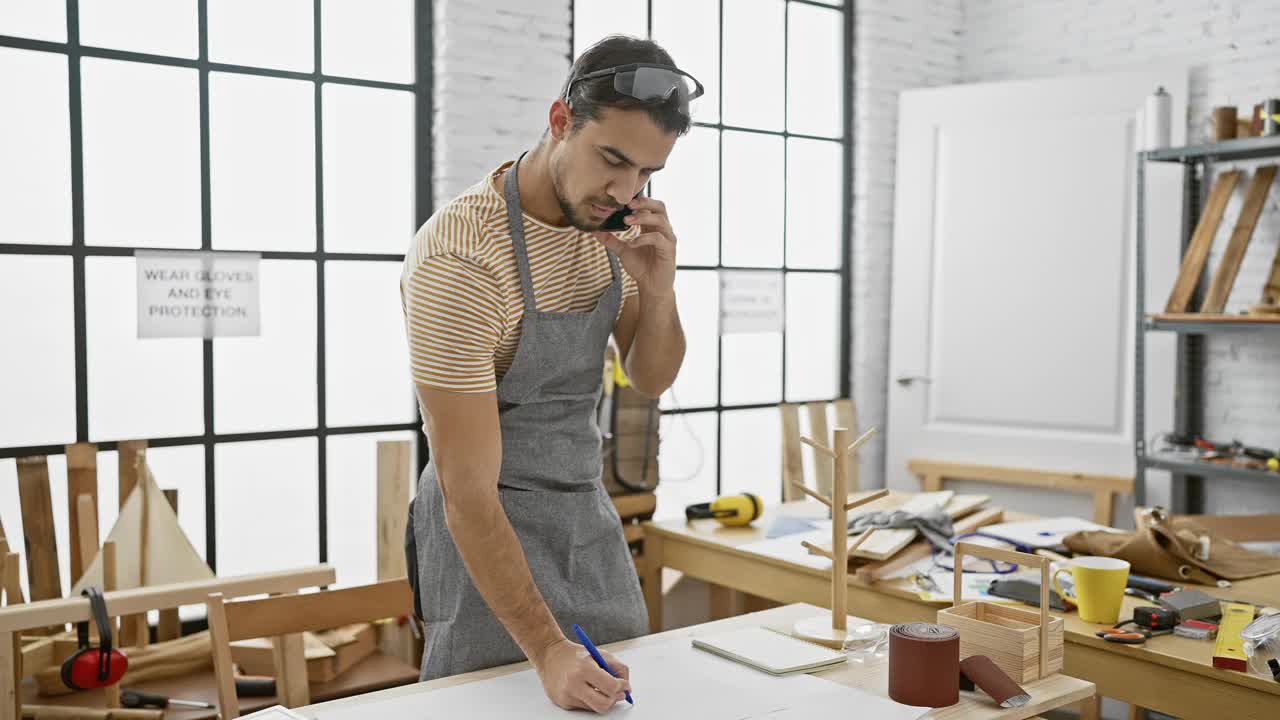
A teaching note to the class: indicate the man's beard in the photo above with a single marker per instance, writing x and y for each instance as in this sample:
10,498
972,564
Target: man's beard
567,208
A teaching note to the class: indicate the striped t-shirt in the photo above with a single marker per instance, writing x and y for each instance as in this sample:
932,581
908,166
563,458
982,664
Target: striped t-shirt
460,289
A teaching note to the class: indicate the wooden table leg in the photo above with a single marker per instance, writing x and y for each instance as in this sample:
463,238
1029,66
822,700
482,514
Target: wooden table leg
723,602
1091,709
651,581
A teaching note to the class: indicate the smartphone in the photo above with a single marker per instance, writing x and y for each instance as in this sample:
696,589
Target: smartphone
614,222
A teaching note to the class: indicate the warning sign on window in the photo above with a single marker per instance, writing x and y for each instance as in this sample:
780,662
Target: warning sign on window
198,294
751,301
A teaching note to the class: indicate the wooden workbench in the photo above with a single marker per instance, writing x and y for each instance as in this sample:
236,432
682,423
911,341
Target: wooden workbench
1052,692
1170,674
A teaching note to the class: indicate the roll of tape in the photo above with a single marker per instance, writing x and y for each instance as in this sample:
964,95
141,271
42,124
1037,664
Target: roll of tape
924,665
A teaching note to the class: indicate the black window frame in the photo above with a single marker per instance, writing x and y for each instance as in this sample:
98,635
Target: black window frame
78,250
846,140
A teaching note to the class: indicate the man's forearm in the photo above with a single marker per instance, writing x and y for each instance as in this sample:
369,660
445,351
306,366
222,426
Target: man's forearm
492,553
658,349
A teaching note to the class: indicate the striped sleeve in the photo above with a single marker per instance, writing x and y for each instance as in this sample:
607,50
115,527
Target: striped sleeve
629,287
454,314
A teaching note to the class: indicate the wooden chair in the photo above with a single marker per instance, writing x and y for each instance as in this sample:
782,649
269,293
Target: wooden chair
1103,488
792,458
284,618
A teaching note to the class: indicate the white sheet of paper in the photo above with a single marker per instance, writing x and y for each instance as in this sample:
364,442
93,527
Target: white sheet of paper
671,680
789,548
1043,532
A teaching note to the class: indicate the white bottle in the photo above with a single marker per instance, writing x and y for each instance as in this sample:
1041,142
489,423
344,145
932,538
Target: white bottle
1157,119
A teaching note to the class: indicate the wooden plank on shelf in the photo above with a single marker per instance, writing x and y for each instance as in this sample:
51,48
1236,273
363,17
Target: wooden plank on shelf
1271,291
1211,319
43,575
1215,301
82,479
1201,240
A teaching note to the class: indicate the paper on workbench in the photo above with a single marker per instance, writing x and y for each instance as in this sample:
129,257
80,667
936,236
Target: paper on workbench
670,680
870,707
786,525
789,548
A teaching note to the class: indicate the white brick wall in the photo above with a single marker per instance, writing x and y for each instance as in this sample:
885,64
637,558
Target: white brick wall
1234,54
897,46
499,64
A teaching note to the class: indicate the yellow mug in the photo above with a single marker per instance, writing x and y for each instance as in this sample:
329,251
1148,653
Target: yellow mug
1100,583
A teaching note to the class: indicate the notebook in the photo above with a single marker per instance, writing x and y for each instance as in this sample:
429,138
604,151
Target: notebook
770,651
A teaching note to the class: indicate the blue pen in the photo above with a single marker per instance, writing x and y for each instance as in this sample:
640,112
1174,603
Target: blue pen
595,655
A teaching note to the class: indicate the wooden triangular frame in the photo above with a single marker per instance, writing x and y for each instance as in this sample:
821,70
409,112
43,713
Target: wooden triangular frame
166,556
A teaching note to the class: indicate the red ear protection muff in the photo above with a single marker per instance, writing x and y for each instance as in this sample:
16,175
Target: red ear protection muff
93,667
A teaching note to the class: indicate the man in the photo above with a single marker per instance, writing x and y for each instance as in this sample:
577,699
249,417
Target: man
511,293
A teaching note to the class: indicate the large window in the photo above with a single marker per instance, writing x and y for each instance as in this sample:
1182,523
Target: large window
761,182
297,129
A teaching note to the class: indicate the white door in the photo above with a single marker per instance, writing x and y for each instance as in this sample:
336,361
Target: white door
1013,318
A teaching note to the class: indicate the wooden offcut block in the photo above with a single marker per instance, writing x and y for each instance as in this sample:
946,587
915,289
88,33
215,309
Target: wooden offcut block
43,576
82,479
394,473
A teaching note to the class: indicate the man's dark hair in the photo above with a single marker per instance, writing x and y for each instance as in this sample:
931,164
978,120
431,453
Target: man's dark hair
587,97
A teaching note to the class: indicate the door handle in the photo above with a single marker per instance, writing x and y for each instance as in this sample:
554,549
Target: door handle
907,380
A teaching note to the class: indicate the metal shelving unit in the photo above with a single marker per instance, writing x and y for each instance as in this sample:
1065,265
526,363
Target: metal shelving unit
1190,327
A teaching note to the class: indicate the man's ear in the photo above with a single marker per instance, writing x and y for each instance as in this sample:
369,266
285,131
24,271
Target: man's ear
559,119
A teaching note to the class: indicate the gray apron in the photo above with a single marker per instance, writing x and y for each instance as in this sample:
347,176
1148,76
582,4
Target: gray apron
549,485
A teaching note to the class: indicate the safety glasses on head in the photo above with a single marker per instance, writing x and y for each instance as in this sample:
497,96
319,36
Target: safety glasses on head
648,82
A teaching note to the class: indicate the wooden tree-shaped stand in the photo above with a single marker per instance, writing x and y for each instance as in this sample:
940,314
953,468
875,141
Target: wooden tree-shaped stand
832,631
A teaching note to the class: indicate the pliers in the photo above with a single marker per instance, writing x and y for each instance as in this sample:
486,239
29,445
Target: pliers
1127,637
1117,634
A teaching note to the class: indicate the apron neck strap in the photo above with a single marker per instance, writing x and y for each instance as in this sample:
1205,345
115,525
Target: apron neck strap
515,223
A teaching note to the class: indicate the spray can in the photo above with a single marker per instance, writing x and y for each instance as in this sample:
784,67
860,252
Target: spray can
1157,118
1271,117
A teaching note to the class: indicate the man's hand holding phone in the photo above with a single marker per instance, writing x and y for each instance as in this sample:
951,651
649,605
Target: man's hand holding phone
649,257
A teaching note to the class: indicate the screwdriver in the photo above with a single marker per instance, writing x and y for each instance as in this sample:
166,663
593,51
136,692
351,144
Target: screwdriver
139,699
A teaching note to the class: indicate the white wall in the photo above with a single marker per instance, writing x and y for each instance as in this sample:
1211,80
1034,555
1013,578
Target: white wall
897,46
1234,56
499,63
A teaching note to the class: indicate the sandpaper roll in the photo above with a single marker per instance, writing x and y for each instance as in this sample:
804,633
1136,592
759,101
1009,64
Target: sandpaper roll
924,665
983,672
